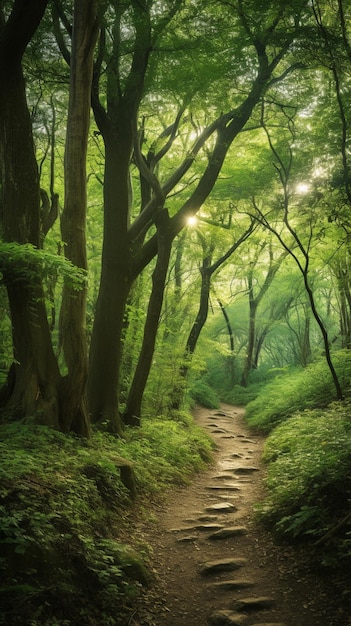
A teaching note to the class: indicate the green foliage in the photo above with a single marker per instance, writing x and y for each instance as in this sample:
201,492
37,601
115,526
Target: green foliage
165,451
64,518
163,376
241,396
203,394
25,261
296,390
309,479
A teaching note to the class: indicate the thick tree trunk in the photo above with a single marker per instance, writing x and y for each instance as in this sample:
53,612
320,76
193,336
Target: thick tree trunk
34,380
115,283
116,123
34,376
73,221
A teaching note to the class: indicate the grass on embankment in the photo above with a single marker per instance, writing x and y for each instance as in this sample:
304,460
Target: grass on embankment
308,453
288,393
67,557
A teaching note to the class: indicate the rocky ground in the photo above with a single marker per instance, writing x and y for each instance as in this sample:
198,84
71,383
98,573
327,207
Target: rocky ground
213,565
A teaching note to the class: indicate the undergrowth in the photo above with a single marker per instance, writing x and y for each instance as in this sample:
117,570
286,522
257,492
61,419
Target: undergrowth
66,555
202,393
241,396
308,453
290,392
309,482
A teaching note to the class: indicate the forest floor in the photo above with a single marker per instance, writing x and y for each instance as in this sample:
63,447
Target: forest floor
213,564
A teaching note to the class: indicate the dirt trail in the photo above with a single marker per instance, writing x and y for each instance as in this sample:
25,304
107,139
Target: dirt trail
213,564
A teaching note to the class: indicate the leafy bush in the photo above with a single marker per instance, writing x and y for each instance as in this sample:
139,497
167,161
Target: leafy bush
64,518
290,392
309,477
165,451
203,394
241,396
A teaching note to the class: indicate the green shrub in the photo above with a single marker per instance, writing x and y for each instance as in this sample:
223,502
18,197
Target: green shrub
309,475
164,452
203,394
241,396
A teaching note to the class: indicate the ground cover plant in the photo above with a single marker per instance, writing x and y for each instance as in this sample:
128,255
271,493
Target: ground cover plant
67,556
309,482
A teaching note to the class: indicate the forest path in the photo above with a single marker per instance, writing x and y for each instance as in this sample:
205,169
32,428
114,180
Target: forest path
212,563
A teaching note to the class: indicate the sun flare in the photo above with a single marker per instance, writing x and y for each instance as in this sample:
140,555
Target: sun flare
302,188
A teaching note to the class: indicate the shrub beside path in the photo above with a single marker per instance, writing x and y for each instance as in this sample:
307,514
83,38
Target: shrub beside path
213,564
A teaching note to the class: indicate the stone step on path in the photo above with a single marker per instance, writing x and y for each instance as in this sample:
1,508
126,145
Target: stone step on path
220,566
252,604
232,584
226,487
219,431
221,507
226,533
224,477
228,618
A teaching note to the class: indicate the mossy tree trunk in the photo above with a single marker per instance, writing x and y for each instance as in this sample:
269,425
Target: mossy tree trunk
73,220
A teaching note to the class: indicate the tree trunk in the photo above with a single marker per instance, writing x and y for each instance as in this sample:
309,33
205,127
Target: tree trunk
251,334
206,271
73,221
306,351
194,334
342,276
133,409
259,345
254,302
116,122
33,384
317,317
115,283
231,358
34,379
